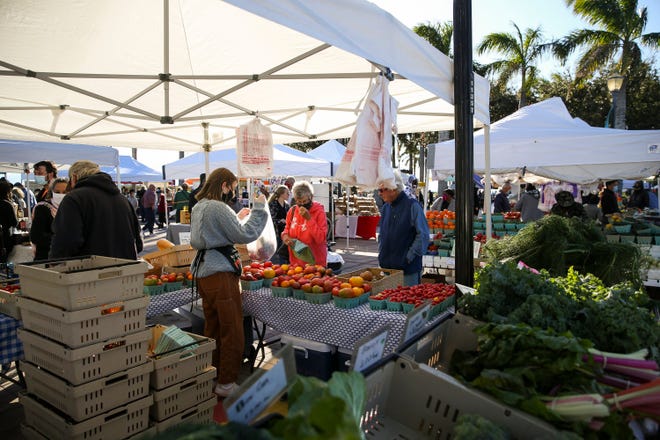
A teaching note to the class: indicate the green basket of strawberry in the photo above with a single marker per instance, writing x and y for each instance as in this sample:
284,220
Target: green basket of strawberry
393,306
407,307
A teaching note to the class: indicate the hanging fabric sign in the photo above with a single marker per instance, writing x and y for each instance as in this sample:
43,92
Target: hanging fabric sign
254,150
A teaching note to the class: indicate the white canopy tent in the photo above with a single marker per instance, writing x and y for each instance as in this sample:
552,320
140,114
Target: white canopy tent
286,161
131,170
331,151
544,140
21,152
182,75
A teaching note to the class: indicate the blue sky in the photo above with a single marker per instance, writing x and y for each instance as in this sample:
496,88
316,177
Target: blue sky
553,16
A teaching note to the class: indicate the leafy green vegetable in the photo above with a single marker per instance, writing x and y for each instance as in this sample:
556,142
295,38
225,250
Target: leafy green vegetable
473,426
616,318
324,410
556,243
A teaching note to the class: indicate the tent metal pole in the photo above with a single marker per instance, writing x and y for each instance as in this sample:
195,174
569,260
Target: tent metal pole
487,184
464,143
166,57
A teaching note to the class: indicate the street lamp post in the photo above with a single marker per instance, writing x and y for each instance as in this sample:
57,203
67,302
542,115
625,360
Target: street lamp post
615,85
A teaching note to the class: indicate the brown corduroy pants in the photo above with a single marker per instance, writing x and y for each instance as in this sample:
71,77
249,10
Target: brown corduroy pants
223,313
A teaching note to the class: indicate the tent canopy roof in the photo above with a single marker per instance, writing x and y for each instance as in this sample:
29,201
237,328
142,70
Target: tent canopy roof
331,151
130,170
111,73
286,161
19,152
543,139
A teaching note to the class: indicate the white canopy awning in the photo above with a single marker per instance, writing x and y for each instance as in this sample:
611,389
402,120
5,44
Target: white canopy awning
149,74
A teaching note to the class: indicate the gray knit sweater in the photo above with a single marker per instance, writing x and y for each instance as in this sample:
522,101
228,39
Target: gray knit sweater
215,224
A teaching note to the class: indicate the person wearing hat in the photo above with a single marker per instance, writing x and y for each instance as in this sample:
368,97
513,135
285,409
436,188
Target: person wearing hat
567,207
608,201
639,198
404,232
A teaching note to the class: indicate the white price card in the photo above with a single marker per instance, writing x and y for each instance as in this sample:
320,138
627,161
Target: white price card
416,321
369,349
184,237
258,396
465,290
476,248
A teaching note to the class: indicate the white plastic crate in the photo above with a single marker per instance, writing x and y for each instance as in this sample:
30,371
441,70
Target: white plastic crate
183,396
84,364
29,433
83,282
201,413
410,400
180,365
83,327
88,400
120,423
9,304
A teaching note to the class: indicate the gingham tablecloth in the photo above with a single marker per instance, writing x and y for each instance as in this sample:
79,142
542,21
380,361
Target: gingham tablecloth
324,322
11,348
167,301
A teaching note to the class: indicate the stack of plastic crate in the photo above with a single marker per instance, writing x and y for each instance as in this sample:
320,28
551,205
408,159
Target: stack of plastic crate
85,342
182,383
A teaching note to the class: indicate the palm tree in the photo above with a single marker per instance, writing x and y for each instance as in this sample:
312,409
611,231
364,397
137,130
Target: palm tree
620,32
521,52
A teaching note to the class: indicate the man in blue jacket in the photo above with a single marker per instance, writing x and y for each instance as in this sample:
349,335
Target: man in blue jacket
404,232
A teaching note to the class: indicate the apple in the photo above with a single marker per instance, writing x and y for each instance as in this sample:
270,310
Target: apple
317,289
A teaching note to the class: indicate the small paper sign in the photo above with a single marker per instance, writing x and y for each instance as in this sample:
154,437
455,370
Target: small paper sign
416,321
184,237
256,399
653,148
465,290
476,249
369,350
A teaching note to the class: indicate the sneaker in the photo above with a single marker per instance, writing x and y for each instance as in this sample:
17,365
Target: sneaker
225,390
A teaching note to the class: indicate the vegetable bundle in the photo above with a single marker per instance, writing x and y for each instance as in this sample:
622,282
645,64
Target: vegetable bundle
556,243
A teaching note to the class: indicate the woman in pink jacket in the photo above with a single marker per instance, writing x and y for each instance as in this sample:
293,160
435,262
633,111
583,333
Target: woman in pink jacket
306,222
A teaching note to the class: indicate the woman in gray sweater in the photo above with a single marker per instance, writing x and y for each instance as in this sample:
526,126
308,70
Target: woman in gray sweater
215,228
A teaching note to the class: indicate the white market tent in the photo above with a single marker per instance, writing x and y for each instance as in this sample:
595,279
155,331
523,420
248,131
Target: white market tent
182,75
544,140
286,161
20,152
130,170
331,151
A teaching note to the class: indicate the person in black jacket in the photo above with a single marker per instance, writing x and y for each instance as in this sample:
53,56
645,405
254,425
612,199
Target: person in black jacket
41,231
608,201
193,194
8,219
94,218
639,198
279,207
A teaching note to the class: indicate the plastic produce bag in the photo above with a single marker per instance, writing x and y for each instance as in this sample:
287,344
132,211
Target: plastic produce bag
254,150
302,252
264,247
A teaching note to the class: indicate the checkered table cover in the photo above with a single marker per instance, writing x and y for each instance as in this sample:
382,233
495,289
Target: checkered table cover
324,322
164,302
11,348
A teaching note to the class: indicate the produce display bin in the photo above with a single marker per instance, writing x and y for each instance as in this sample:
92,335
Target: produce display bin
180,255
90,399
81,283
83,327
9,304
180,365
390,279
202,413
91,362
183,396
410,400
29,433
312,358
119,423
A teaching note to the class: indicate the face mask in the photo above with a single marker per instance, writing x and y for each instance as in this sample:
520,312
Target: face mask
228,197
40,179
57,199
307,205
